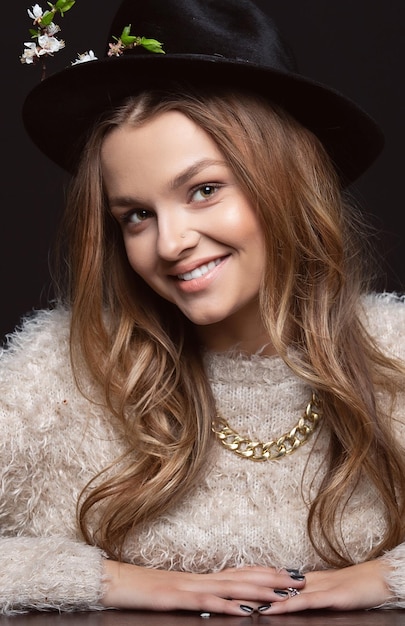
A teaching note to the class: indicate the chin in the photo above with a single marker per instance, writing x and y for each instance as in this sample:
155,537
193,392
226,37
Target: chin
207,319
198,321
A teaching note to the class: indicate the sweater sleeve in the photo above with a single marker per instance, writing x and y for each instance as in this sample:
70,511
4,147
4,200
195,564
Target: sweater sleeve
386,319
45,460
395,579
49,573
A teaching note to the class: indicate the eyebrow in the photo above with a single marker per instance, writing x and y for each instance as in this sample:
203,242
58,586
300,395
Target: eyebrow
178,181
193,170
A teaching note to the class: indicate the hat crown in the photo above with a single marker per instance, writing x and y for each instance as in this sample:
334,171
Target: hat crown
217,43
236,30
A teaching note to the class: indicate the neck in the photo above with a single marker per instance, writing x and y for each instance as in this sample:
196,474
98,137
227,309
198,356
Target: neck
248,337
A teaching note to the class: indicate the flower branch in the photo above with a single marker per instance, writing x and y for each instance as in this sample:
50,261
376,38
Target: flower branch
127,42
45,44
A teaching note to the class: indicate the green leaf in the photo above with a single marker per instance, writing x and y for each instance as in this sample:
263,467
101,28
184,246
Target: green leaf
129,40
64,5
152,45
47,18
126,38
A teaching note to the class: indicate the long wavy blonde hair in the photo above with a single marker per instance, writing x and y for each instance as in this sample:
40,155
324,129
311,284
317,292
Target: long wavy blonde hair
146,356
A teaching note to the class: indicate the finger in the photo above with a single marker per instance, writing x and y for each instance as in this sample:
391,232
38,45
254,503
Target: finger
300,602
209,603
249,606
223,597
268,577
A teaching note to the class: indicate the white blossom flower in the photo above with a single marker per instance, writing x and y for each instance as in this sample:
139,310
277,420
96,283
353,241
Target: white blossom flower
115,49
85,57
36,12
50,45
30,53
52,29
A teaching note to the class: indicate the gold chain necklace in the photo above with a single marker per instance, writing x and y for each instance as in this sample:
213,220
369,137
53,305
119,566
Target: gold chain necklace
276,448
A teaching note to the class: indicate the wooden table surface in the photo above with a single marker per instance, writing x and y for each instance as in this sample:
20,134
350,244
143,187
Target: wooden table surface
140,618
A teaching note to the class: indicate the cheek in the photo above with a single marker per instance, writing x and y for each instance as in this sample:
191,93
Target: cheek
249,233
243,226
138,256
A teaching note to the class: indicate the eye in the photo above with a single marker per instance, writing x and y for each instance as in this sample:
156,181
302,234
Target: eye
204,192
136,217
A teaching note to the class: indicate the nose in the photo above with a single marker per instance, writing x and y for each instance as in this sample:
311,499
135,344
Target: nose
175,238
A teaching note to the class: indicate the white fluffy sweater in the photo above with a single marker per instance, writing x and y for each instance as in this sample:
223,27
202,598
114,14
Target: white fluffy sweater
52,441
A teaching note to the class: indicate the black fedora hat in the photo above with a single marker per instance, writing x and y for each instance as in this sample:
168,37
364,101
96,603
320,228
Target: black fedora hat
206,42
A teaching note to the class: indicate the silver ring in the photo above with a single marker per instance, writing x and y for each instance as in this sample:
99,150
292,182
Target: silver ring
293,592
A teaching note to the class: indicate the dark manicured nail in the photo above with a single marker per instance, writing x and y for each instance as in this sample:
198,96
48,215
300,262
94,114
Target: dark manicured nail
295,574
247,609
281,592
264,607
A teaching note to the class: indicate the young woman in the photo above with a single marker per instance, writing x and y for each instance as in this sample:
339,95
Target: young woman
210,417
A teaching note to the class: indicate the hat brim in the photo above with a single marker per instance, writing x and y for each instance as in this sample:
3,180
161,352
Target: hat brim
59,111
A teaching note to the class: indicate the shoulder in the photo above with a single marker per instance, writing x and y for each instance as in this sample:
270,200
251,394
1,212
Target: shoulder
41,405
40,335
384,318
36,357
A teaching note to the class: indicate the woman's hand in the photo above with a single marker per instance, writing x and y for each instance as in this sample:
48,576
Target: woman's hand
233,591
356,587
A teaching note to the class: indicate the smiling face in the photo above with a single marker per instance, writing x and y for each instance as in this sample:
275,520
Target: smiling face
188,229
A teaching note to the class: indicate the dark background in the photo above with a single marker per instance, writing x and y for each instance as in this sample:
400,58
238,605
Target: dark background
356,46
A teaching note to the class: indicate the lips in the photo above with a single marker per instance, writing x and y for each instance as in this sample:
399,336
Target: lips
199,271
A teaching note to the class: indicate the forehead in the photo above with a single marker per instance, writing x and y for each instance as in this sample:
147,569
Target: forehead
169,137
162,153
171,128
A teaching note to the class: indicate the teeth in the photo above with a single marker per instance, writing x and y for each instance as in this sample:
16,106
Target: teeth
199,271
